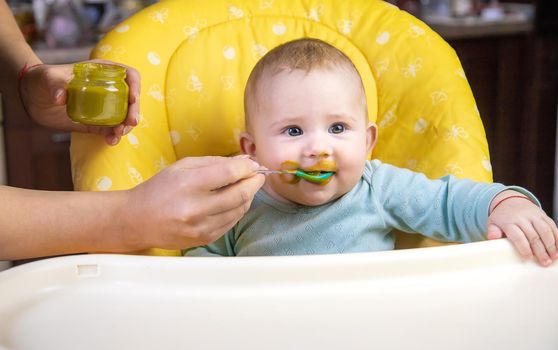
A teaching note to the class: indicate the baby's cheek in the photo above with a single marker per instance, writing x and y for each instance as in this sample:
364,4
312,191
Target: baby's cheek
351,175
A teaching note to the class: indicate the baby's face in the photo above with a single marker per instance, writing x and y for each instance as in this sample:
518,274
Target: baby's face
312,121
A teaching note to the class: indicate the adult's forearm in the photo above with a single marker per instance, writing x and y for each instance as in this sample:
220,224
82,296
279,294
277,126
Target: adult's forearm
40,223
14,51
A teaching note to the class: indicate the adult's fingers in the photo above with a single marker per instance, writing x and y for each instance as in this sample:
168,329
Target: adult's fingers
112,139
198,162
214,226
133,80
132,117
225,221
237,195
219,173
44,86
55,81
230,172
119,130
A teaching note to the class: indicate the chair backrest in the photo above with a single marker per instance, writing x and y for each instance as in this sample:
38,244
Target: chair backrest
195,56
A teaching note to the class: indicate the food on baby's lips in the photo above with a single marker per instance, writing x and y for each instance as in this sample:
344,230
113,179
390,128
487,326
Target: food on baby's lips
98,94
318,177
289,178
320,173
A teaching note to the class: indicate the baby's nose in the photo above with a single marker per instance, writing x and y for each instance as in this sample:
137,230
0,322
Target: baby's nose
318,147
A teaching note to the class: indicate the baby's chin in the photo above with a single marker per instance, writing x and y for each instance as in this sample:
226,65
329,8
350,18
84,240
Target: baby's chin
304,193
313,202
310,200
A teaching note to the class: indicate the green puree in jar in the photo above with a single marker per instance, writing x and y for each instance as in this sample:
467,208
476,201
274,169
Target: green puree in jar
98,94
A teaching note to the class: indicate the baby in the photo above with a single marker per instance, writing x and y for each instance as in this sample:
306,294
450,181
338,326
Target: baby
306,109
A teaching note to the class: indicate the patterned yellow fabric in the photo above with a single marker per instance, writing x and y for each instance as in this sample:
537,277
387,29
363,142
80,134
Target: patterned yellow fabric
195,57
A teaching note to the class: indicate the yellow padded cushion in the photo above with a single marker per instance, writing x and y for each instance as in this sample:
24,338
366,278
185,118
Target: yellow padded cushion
194,58
210,92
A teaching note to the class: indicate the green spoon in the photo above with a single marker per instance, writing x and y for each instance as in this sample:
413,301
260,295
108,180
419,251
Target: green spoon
315,178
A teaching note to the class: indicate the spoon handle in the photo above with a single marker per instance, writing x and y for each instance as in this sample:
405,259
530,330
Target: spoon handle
268,171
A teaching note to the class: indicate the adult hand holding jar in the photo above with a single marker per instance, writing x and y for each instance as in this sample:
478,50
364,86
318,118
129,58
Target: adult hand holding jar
42,88
44,94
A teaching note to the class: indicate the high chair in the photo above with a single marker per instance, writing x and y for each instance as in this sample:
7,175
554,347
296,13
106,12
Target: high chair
194,58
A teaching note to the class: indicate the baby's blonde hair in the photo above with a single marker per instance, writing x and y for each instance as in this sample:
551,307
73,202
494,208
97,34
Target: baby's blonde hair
304,54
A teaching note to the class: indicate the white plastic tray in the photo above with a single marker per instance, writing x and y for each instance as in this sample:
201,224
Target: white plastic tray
474,296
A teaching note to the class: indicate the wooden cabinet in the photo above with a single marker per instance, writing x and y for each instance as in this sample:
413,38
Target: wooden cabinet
37,157
514,79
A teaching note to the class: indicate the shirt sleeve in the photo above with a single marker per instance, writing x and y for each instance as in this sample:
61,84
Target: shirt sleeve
446,209
224,246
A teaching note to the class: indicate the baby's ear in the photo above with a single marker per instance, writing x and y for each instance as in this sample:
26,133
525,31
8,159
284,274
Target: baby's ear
247,145
371,137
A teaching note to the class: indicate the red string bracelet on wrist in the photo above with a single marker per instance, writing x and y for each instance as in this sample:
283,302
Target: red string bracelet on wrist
20,76
505,199
26,68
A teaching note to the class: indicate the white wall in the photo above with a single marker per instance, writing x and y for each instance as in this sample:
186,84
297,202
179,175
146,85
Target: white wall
3,180
3,177
556,176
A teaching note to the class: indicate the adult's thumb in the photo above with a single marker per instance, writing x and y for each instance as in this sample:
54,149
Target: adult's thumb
55,81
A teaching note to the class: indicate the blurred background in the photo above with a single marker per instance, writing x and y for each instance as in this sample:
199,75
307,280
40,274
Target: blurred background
70,23
509,51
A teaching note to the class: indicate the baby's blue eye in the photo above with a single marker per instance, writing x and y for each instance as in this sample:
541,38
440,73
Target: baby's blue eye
294,131
337,128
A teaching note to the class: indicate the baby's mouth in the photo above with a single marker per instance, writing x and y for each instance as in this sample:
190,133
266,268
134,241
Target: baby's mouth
321,167
320,173
316,177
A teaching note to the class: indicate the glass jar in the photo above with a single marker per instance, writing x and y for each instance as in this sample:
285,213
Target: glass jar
98,94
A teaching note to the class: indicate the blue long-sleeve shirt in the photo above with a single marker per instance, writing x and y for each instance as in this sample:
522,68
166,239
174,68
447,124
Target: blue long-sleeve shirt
386,198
